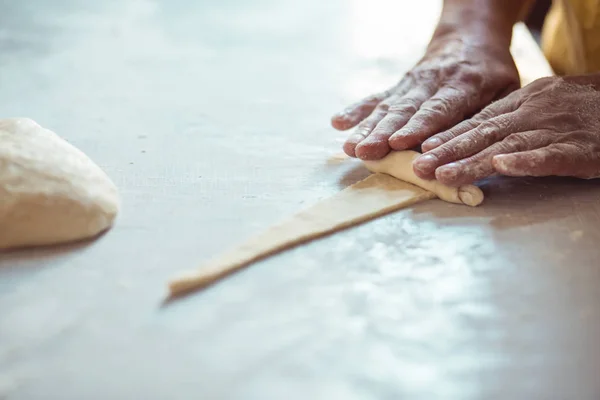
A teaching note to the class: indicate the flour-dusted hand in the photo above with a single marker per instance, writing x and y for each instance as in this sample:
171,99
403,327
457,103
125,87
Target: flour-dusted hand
466,66
550,127
456,78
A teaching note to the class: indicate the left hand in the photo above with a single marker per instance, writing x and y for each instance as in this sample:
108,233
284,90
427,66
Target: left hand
459,74
550,127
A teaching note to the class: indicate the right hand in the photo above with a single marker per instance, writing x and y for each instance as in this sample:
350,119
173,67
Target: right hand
455,79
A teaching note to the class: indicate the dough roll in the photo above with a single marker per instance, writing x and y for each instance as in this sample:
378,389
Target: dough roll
399,165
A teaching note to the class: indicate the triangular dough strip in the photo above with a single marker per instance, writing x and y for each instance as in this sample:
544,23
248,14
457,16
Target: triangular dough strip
372,197
378,194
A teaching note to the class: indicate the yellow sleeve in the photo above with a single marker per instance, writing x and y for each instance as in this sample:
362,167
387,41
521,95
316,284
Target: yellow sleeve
571,36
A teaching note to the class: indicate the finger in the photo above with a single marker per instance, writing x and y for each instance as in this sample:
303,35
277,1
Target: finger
441,138
375,145
364,129
481,165
446,108
355,113
560,159
467,144
504,106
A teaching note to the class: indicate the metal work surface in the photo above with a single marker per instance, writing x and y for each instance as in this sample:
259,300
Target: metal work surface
213,119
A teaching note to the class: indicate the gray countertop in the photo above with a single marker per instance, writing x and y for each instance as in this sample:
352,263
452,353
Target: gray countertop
212,117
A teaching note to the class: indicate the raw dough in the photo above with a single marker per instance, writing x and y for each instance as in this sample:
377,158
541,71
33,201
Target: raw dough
399,165
50,192
370,198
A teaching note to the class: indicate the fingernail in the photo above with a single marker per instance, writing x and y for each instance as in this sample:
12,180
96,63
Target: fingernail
371,150
431,143
425,162
343,119
449,170
396,142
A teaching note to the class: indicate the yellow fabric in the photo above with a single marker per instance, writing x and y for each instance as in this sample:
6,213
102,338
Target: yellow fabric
571,36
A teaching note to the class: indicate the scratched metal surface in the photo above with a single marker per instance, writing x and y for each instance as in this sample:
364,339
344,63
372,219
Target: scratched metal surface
212,117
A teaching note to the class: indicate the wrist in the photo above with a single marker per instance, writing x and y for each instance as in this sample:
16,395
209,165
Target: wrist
487,22
476,32
590,80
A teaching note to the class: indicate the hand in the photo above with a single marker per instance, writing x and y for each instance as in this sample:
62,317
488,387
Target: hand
550,127
456,78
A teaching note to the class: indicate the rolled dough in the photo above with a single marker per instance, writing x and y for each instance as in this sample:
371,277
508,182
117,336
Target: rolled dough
370,198
50,192
399,164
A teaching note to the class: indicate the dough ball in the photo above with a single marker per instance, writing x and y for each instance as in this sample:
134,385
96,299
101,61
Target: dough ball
50,192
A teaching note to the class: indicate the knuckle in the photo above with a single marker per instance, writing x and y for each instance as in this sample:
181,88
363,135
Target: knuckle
486,133
445,107
432,112
424,75
383,107
516,142
578,139
452,69
458,130
440,106
404,106
471,77
465,143
563,121
490,127
409,76
445,137
469,100
485,115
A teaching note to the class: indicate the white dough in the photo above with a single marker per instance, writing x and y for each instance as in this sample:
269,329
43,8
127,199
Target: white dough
50,192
